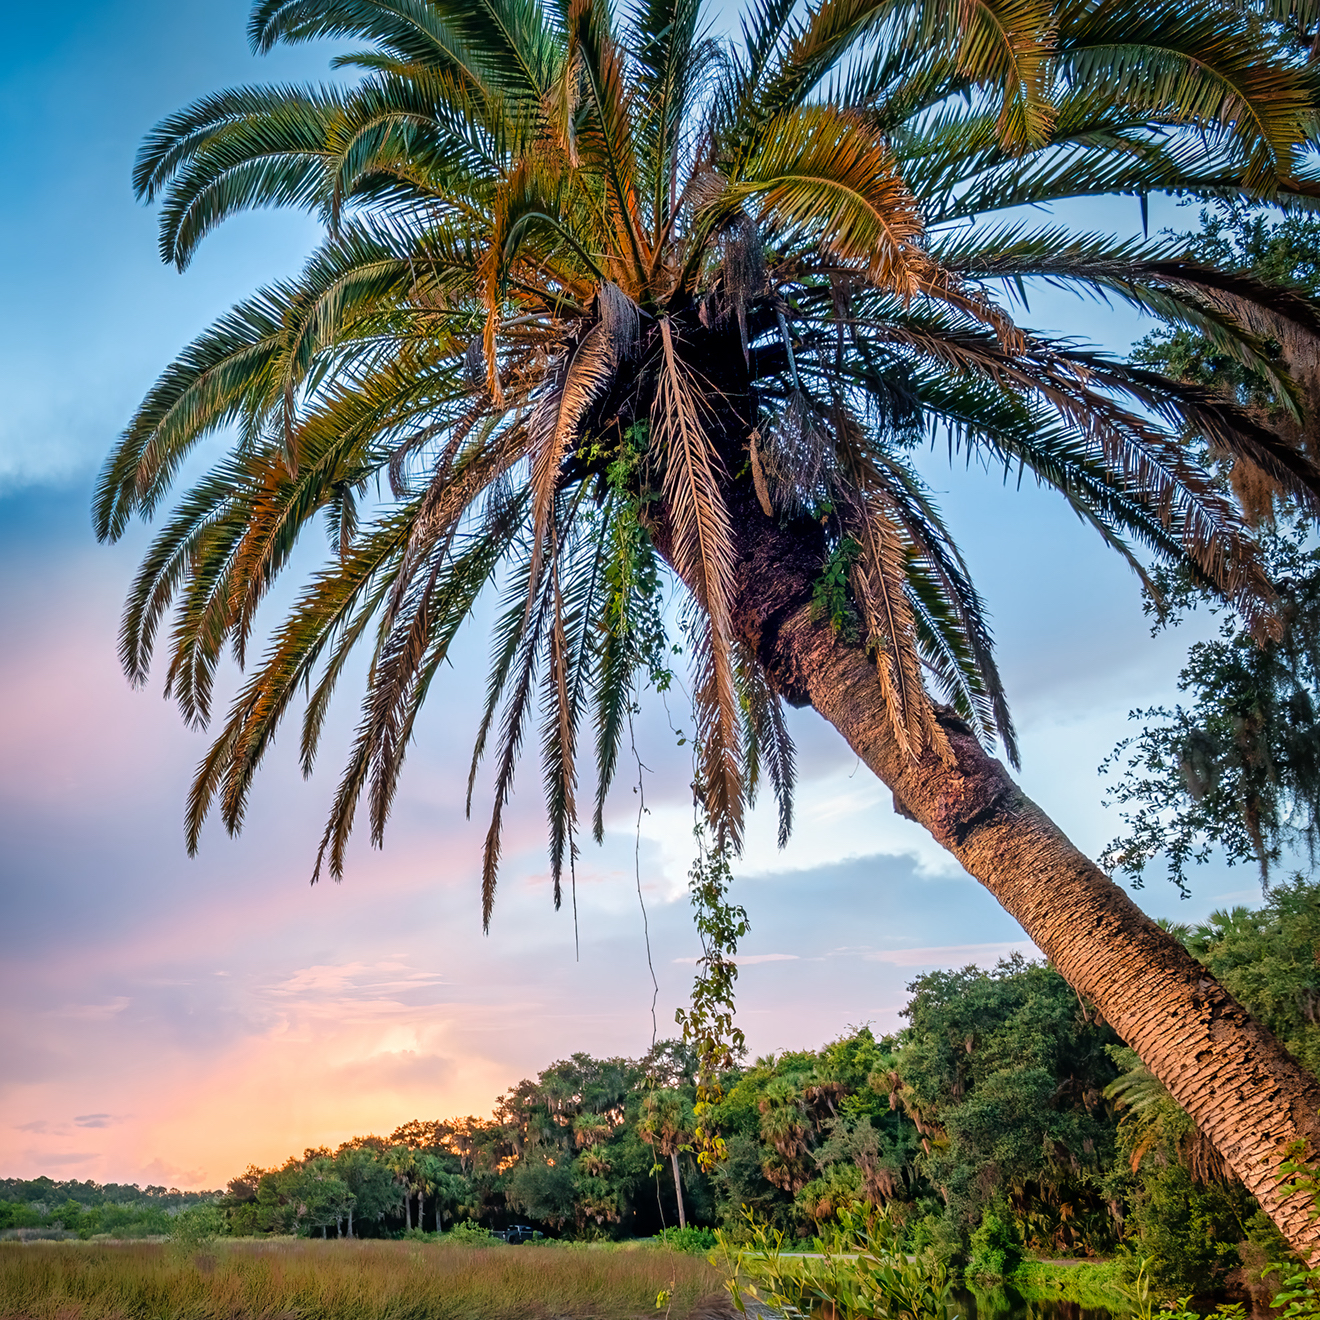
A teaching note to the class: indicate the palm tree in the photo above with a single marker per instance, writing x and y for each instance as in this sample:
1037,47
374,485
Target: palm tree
599,294
403,1163
666,1125
430,1178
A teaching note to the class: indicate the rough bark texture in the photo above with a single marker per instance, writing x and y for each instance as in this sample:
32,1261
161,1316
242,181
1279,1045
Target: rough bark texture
678,1189
1243,1089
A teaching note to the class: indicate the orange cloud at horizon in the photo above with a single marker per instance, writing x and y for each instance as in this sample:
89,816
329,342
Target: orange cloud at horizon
331,1066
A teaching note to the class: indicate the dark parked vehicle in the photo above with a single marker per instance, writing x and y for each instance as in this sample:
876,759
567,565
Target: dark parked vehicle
516,1234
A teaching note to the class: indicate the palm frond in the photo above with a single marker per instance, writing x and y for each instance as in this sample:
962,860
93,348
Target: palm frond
879,581
701,548
768,739
817,171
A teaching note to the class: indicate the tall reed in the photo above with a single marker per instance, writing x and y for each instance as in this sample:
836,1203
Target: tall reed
310,1280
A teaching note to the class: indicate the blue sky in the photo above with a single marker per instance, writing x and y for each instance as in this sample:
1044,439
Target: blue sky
171,1020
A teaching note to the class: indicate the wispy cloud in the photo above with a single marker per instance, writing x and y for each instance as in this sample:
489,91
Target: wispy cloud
954,955
746,959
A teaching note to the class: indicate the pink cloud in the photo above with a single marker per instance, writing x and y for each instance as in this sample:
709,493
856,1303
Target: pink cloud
954,955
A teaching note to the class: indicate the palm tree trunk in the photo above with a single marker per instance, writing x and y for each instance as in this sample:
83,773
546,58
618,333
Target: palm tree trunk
678,1189
1242,1088
407,1207
350,1221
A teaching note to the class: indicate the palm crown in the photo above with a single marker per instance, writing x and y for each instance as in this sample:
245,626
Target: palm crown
599,291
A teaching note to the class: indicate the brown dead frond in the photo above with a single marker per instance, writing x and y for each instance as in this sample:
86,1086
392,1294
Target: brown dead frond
701,545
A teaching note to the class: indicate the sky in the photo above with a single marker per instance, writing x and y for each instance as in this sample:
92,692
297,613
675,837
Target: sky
170,1020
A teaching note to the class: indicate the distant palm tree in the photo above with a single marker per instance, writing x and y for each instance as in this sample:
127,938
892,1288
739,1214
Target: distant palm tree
666,1125
599,292
403,1162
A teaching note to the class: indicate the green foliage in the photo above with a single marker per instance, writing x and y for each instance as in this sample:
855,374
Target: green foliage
89,1209
830,598
996,1249
1238,768
1188,1235
543,1190
1003,1073
694,1241
860,1271
708,1023
1098,1284
1283,249
198,1226
469,1234
14,1214
1266,957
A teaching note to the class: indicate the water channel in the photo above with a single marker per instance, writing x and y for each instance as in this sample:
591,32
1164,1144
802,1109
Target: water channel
1008,1304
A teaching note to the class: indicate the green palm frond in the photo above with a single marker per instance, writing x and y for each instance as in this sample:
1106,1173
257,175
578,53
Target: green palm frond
1213,66
601,298
262,146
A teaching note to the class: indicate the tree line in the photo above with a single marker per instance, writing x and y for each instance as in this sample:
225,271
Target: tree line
89,1208
1005,1118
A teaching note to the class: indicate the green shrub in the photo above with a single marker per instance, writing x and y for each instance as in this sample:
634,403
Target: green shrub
696,1241
14,1214
1186,1234
469,1234
860,1270
1099,1284
198,1226
934,1238
996,1250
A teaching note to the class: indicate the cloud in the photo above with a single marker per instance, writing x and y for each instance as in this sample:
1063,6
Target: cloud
359,980
746,959
95,1012
954,955
398,1070
59,1159
93,1120
161,1173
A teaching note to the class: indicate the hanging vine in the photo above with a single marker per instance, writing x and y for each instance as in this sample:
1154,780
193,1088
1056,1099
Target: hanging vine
708,1023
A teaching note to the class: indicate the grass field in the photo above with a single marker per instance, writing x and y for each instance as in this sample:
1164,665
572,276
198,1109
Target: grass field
310,1280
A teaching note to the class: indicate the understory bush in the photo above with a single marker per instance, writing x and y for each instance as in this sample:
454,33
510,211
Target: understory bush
996,1248
697,1241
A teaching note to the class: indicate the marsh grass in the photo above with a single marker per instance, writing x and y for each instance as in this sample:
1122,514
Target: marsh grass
310,1280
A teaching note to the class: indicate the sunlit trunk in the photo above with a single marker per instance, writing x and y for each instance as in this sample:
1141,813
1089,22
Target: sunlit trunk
350,1221
1242,1088
678,1189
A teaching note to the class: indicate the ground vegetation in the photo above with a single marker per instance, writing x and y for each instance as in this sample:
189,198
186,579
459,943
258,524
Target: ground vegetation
1004,1125
350,1281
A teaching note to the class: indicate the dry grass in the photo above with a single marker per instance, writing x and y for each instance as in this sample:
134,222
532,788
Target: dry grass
311,1280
